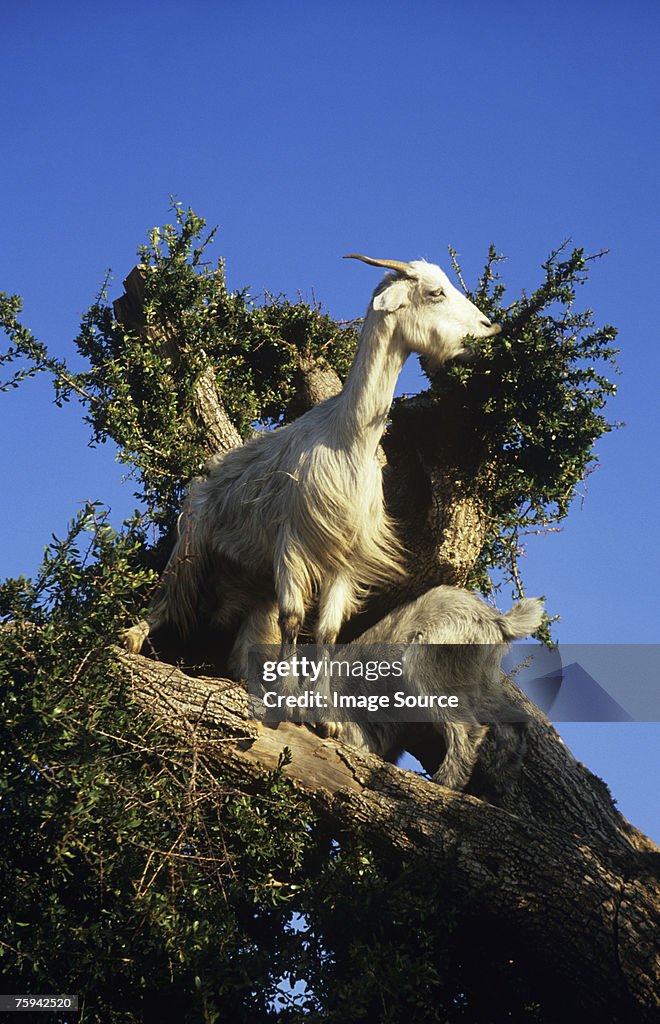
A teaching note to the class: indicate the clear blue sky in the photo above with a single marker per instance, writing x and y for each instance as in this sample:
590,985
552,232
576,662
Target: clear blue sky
310,130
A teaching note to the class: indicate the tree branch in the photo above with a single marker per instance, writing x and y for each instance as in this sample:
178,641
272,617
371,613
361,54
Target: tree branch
208,408
558,864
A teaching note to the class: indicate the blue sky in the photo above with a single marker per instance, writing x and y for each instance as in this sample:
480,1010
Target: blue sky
306,131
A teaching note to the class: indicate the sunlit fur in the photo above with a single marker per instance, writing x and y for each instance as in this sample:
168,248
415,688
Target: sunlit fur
297,513
478,637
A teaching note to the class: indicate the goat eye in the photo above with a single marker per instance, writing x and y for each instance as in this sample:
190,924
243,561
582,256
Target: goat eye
439,294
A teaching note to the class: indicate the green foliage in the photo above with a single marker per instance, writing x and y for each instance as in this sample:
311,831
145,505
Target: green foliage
528,407
130,871
133,873
139,389
390,942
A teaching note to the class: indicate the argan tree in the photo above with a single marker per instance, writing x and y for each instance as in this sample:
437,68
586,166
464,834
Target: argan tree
168,859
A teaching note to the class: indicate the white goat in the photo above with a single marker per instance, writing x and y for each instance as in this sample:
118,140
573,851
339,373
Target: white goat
455,643
298,512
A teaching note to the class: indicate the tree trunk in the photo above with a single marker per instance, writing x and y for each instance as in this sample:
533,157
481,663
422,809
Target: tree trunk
433,466
314,383
558,866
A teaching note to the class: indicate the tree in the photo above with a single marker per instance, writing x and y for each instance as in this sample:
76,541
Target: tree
169,859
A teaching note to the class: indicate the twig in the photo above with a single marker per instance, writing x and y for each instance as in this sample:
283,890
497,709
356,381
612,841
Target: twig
457,269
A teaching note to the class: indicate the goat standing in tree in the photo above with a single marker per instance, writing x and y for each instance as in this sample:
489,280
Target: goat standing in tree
298,512
451,642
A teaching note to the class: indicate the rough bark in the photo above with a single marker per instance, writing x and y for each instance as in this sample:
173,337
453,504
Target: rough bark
220,432
558,865
315,382
432,468
430,491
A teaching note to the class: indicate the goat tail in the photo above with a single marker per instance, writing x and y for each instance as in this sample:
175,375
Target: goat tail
186,577
524,618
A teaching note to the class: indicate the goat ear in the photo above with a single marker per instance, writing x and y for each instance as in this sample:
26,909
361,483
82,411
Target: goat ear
393,296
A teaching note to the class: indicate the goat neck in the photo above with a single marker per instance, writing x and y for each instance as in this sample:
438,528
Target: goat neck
364,403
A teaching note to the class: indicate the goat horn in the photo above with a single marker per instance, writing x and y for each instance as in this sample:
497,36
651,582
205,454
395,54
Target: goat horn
398,265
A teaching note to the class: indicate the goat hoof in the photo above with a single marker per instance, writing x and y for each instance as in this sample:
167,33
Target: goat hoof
134,637
327,730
